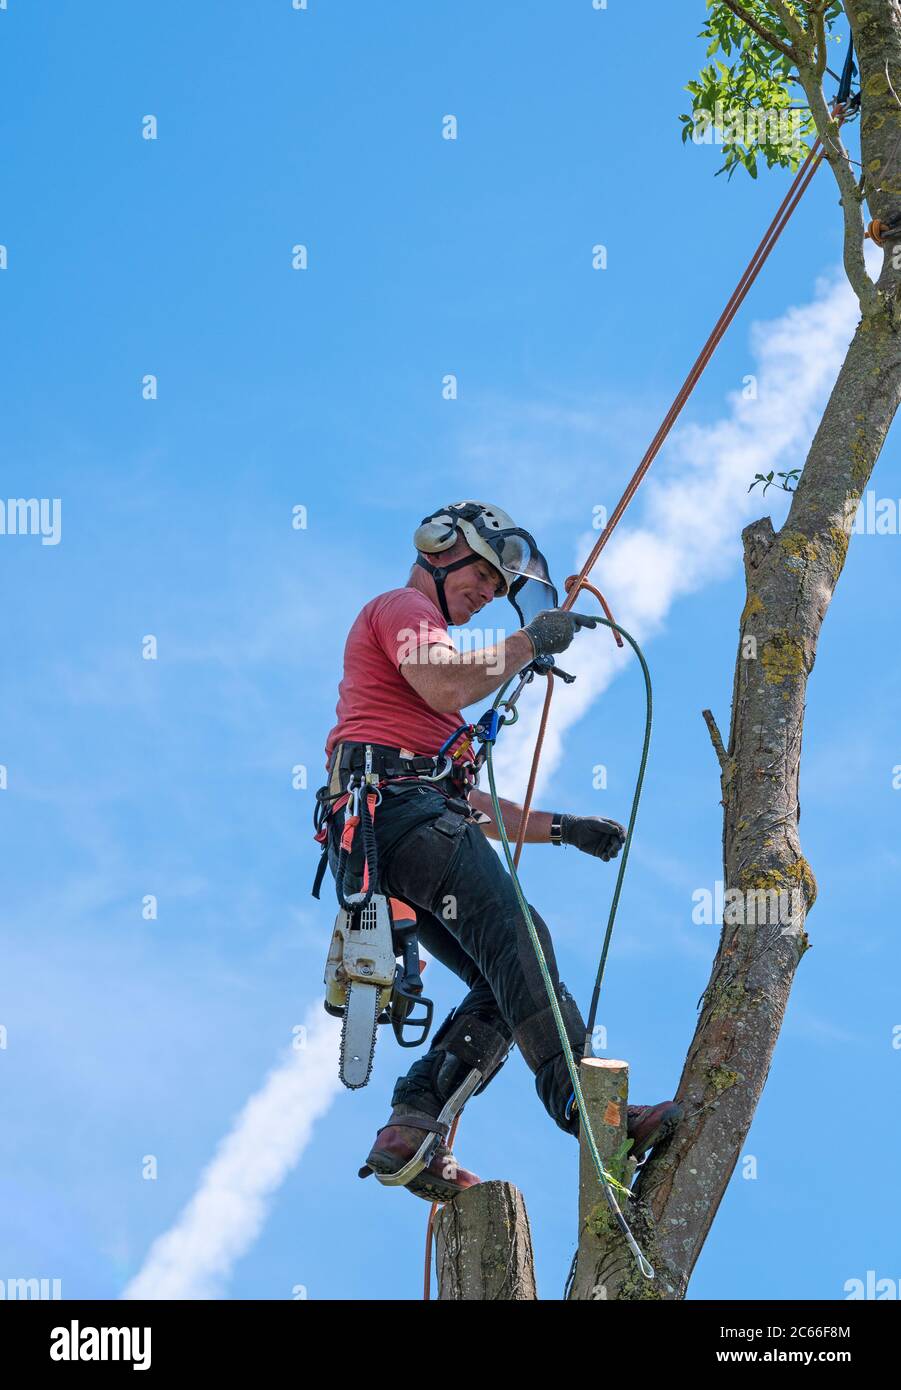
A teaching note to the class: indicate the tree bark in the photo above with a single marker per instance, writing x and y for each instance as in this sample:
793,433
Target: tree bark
484,1246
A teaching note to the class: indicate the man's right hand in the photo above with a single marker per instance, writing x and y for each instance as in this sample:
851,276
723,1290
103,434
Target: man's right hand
553,630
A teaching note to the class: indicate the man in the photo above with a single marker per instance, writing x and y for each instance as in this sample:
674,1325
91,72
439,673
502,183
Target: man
404,686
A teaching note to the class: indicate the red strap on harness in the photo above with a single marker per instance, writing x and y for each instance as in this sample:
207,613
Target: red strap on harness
322,833
350,829
347,834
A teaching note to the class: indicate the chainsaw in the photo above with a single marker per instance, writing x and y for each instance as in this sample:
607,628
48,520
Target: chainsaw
373,976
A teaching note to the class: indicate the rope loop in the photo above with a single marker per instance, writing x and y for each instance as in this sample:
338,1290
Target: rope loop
877,231
578,582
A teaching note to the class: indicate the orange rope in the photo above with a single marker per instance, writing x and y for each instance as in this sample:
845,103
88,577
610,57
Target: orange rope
576,583
574,579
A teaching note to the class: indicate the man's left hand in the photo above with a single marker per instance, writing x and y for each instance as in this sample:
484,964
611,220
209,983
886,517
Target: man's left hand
593,835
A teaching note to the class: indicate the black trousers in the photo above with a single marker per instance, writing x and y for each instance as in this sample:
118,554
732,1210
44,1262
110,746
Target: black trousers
469,919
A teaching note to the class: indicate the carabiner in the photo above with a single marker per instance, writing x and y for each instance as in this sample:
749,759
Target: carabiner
443,771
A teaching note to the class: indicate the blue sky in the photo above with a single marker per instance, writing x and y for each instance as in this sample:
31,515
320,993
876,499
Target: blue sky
279,388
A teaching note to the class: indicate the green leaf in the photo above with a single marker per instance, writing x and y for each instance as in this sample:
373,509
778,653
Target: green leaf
760,86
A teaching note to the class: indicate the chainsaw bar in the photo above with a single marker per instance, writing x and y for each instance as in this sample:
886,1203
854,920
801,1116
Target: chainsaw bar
358,1035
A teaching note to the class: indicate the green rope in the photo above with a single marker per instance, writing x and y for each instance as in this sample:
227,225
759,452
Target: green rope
608,1182
624,859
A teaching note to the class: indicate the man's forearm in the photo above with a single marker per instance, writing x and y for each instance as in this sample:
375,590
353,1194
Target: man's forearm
538,830
474,675
453,680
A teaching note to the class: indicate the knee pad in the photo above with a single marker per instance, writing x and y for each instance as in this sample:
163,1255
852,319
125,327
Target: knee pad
537,1037
469,1044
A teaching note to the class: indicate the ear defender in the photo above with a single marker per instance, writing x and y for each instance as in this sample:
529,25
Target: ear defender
435,534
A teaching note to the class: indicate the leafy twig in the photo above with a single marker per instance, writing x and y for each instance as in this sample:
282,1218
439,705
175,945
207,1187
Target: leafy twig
769,479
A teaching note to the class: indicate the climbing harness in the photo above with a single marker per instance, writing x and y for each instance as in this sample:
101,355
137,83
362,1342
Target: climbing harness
361,791
372,973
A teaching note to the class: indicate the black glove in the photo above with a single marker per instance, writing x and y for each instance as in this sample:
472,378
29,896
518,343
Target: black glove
593,834
553,630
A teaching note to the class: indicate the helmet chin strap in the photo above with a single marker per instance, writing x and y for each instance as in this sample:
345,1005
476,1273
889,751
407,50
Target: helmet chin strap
439,573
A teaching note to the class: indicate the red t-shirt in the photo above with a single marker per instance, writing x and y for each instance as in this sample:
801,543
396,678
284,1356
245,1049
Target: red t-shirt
376,704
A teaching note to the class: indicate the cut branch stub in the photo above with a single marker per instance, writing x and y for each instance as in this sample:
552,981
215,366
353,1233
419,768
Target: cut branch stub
484,1246
603,1257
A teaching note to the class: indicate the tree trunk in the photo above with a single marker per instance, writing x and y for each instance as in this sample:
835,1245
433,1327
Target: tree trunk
790,579
484,1246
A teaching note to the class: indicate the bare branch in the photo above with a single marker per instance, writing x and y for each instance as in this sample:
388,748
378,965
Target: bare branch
768,37
819,31
716,739
840,164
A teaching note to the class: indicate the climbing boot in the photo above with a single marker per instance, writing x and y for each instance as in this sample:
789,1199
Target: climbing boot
651,1125
396,1145
646,1125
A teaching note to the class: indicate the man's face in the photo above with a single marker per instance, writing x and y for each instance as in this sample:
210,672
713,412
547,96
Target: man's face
470,587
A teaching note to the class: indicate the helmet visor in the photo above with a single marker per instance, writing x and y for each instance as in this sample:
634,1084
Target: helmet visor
525,570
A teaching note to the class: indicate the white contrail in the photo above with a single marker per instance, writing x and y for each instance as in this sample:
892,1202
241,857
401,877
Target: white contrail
226,1214
694,506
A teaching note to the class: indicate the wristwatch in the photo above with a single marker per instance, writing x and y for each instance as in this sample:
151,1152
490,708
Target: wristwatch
557,828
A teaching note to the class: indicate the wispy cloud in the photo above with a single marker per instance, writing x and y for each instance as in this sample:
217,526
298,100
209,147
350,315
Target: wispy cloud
806,1023
694,505
227,1212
